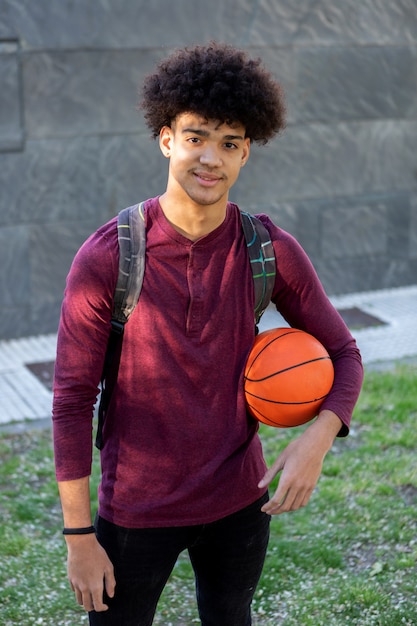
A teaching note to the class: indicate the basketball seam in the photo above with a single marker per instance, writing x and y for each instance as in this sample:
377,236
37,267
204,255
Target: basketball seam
270,422
290,331
287,369
293,402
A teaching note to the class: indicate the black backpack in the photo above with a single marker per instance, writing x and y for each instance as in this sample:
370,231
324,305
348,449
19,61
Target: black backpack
132,247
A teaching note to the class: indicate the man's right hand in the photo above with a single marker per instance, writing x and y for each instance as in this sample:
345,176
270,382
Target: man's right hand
90,572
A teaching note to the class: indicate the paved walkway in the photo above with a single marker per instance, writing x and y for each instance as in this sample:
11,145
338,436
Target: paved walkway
26,364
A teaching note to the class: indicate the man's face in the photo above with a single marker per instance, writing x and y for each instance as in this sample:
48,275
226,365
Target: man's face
205,157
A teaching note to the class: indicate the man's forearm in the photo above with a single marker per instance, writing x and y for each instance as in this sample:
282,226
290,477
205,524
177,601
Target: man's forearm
325,429
75,502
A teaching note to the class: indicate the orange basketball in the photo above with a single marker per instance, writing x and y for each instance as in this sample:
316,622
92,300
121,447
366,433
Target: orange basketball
288,374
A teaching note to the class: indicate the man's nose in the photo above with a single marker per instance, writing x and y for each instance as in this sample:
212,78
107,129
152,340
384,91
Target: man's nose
210,157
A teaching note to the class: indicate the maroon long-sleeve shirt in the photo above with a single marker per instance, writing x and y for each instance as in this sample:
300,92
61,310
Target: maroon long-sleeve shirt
179,447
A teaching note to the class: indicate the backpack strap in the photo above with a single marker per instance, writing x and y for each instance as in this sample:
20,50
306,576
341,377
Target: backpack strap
131,234
262,260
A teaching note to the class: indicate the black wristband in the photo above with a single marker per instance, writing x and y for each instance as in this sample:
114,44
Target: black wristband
88,530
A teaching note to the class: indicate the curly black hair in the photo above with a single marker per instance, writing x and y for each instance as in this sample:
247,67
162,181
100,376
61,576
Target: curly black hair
218,82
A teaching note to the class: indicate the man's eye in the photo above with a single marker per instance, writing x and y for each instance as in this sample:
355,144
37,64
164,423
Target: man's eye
230,145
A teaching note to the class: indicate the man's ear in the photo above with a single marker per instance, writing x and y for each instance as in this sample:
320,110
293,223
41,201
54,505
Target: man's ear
166,137
246,151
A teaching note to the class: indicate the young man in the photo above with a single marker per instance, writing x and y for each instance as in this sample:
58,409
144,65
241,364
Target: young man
182,466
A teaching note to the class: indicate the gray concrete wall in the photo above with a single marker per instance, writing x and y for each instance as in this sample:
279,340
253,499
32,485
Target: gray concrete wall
73,149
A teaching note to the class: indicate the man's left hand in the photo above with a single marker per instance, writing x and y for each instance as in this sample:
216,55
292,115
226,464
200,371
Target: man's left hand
301,463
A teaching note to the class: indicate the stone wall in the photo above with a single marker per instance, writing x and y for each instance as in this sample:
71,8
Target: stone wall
74,150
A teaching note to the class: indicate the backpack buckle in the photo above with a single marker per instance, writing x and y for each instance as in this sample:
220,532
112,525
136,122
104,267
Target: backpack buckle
117,327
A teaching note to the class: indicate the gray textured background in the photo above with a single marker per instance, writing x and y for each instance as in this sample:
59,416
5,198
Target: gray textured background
74,150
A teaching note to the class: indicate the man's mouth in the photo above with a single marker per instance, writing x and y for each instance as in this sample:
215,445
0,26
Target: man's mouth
207,178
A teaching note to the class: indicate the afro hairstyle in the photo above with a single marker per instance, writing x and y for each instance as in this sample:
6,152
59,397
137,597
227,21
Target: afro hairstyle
217,82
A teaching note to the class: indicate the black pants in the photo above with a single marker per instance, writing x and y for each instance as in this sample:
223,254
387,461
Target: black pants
227,557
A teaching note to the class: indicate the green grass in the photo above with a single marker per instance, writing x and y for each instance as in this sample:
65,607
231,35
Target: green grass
349,558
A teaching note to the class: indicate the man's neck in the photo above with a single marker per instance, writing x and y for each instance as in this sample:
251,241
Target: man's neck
192,221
